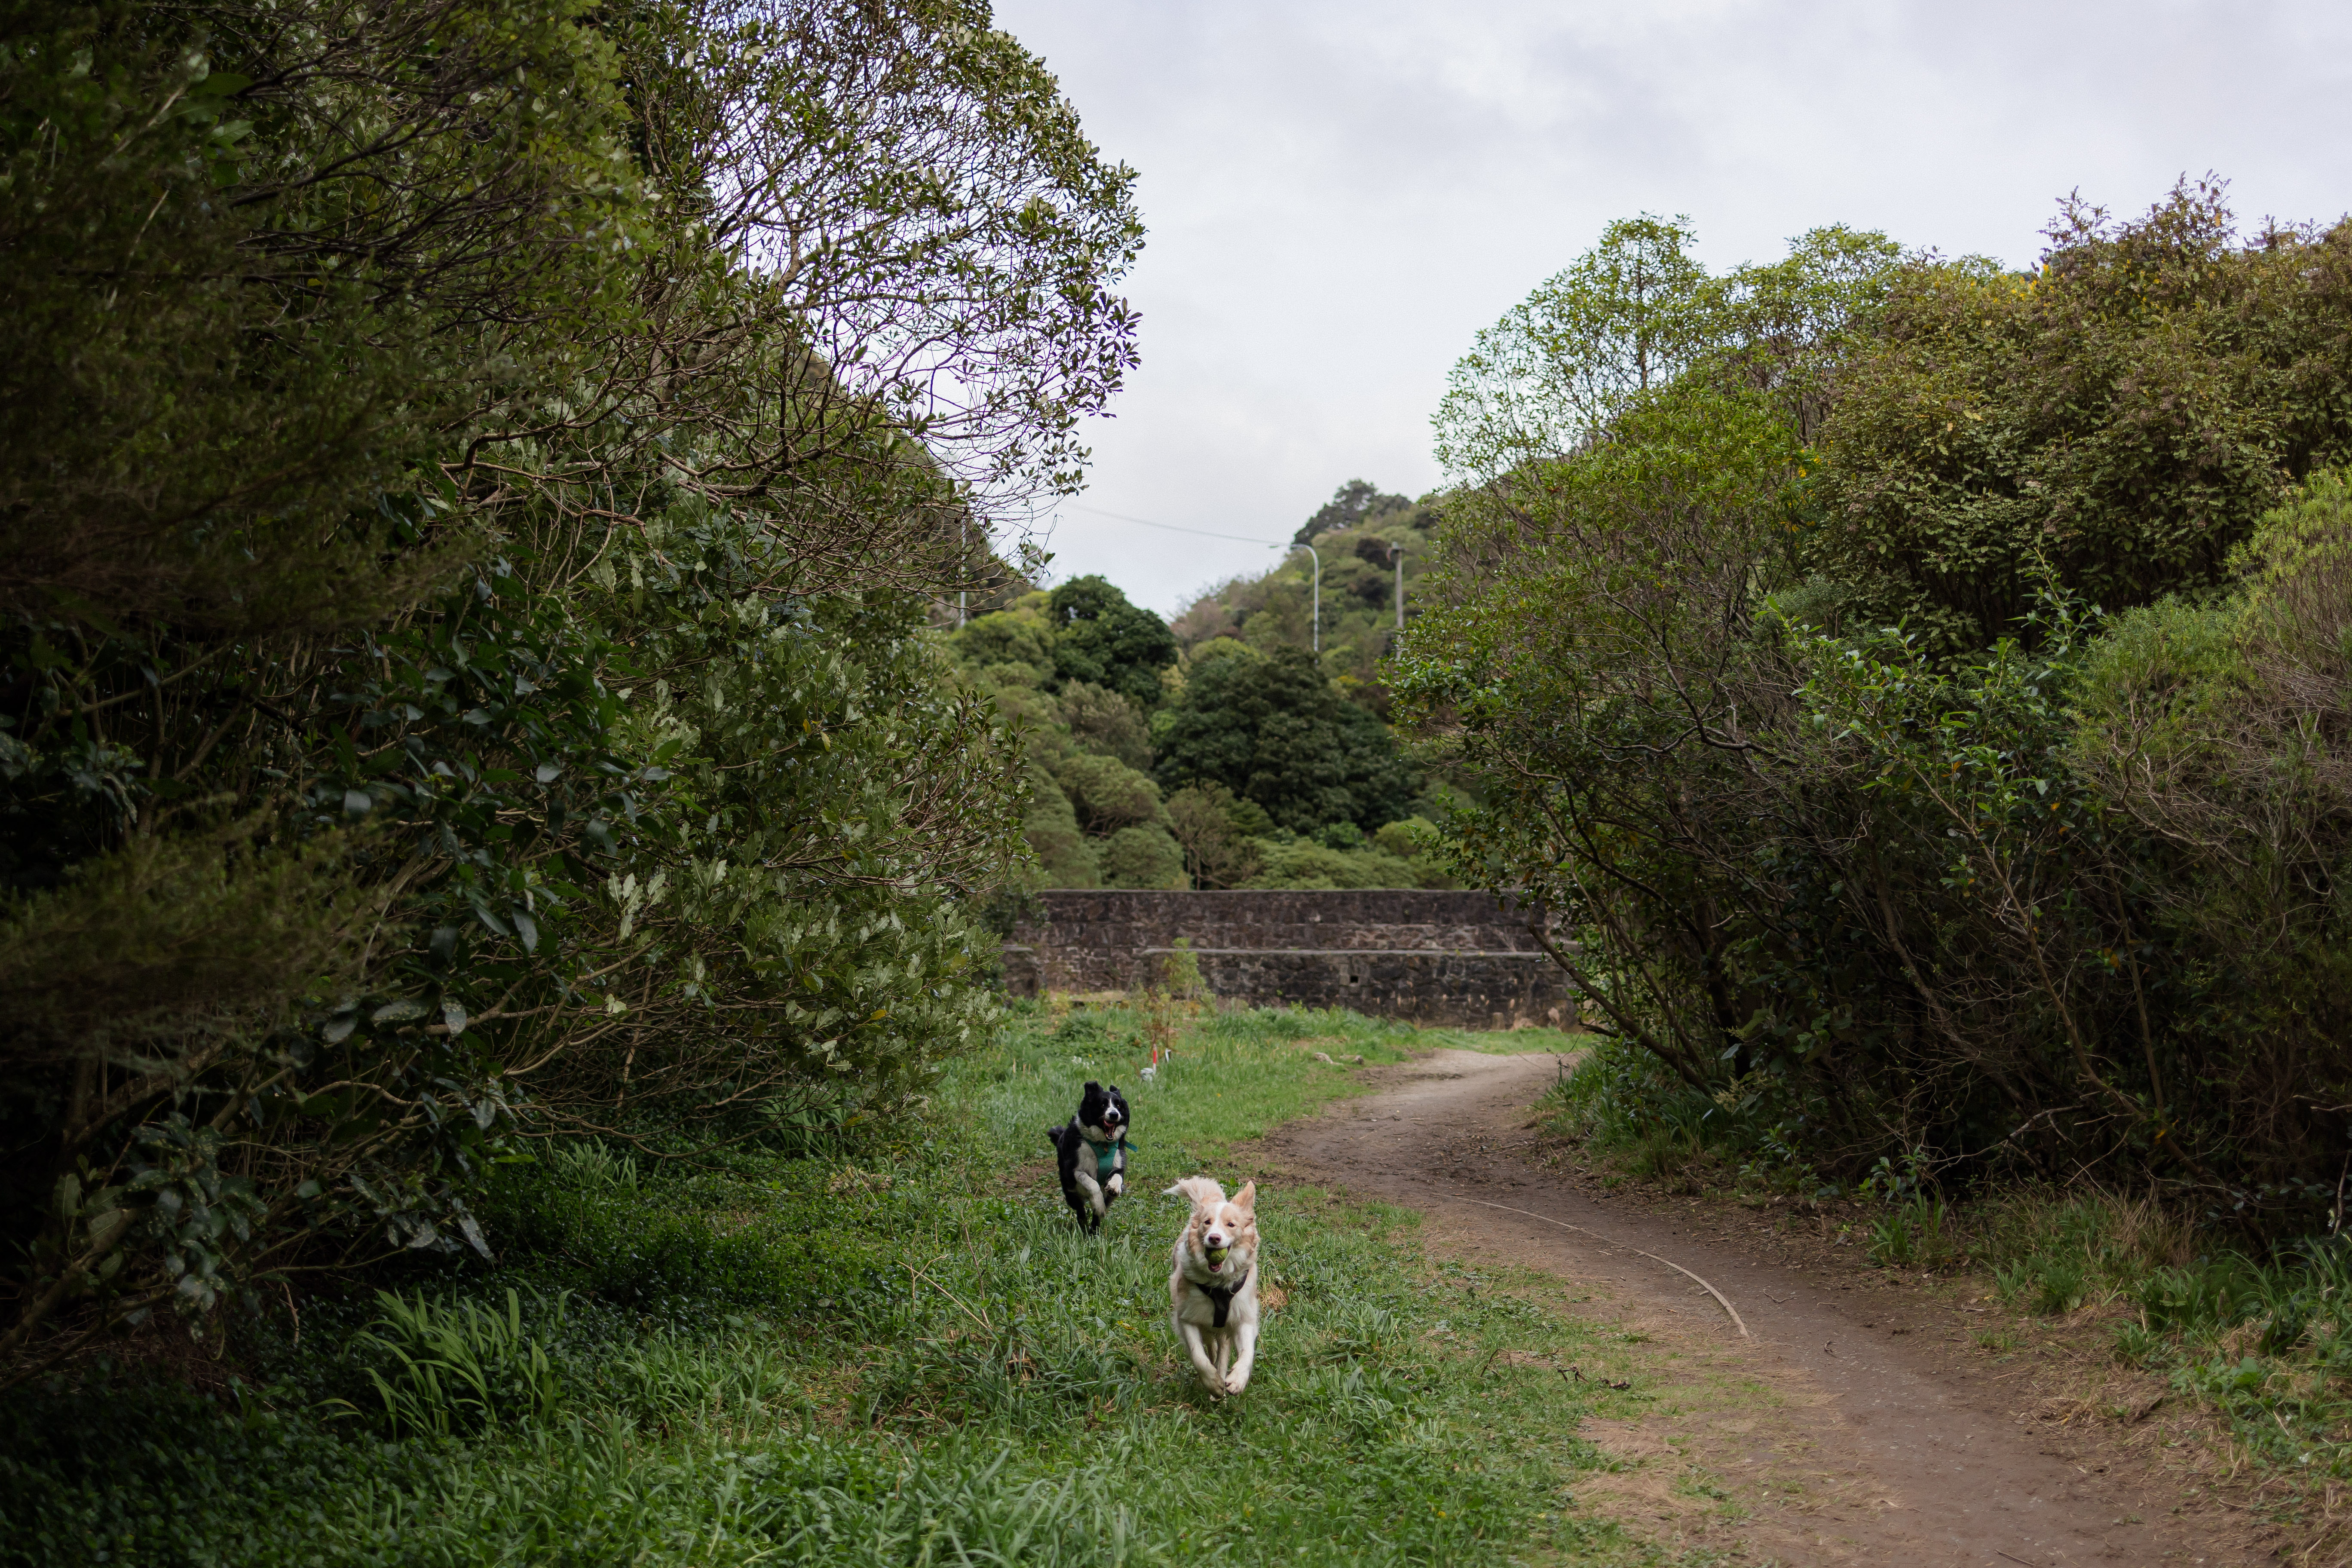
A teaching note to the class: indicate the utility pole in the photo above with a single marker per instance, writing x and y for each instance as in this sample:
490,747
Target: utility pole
1399,552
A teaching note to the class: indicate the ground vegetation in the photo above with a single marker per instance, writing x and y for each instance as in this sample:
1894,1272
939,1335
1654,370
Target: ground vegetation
876,1343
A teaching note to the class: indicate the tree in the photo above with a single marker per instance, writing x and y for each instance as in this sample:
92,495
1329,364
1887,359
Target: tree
2125,412
1270,730
1100,639
1353,503
1595,656
1989,882
466,674
1217,853
1626,318
1145,855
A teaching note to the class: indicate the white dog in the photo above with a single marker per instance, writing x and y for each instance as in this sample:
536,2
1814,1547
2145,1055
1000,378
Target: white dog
1214,1286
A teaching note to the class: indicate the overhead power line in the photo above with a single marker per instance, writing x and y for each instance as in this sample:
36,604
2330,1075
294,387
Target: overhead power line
1171,527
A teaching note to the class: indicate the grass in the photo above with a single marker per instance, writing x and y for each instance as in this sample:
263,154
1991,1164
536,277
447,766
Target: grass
2265,1341
899,1351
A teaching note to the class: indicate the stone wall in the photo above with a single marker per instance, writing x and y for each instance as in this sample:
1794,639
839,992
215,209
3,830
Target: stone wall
1442,958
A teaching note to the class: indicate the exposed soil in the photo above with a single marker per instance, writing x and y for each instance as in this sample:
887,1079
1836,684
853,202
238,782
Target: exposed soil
1861,1422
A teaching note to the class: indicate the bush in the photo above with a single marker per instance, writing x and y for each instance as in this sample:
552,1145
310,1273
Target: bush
1306,864
1144,856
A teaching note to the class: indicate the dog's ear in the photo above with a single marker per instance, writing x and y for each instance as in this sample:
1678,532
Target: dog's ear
1247,1199
1093,1087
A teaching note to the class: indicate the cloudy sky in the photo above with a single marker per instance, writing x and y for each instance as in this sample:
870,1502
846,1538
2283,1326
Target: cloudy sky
1339,195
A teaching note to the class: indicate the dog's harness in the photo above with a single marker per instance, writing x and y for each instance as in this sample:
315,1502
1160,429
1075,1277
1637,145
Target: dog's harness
1220,1297
1107,1157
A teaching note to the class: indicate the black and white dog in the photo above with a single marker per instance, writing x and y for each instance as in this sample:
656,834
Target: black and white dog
1092,1153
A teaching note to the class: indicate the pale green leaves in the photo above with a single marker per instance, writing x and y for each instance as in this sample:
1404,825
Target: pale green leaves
1637,315
1627,316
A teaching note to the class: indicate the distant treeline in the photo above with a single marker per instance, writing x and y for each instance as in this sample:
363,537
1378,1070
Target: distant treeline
1221,752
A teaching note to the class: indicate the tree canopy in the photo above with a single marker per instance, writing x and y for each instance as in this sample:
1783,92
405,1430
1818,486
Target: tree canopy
476,474
1832,647
1357,502
2123,414
1100,639
1272,730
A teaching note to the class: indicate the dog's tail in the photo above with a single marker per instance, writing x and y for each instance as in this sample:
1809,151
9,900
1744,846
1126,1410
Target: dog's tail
1199,1191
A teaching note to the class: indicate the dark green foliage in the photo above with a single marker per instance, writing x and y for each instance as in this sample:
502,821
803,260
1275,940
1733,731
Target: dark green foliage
1065,857
440,705
1145,855
2011,886
1107,794
1103,641
1353,504
2124,413
1273,732
257,269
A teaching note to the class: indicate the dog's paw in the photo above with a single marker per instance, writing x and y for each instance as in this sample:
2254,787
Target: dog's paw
1237,1381
1117,1186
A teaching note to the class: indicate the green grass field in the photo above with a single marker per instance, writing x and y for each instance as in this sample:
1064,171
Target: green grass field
899,1350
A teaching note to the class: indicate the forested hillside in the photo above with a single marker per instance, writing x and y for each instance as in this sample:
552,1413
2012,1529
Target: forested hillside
1221,752
1920,687
1363,538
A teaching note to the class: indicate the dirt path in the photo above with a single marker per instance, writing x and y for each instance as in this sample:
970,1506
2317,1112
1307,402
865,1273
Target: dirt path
1854,1426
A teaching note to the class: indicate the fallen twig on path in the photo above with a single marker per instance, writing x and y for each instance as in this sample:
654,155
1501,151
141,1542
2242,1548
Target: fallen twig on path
1720,1299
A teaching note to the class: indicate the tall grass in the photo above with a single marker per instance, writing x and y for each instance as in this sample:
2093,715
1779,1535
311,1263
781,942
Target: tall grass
2265,1340
1627,1110
884,1345
445,1367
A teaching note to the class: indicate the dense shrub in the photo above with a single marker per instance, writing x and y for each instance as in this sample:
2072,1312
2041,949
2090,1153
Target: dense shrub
464,581
2008,884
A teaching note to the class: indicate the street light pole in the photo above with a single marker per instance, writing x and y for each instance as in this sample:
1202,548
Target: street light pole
1315,636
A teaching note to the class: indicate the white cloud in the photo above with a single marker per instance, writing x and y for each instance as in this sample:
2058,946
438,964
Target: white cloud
1340,196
